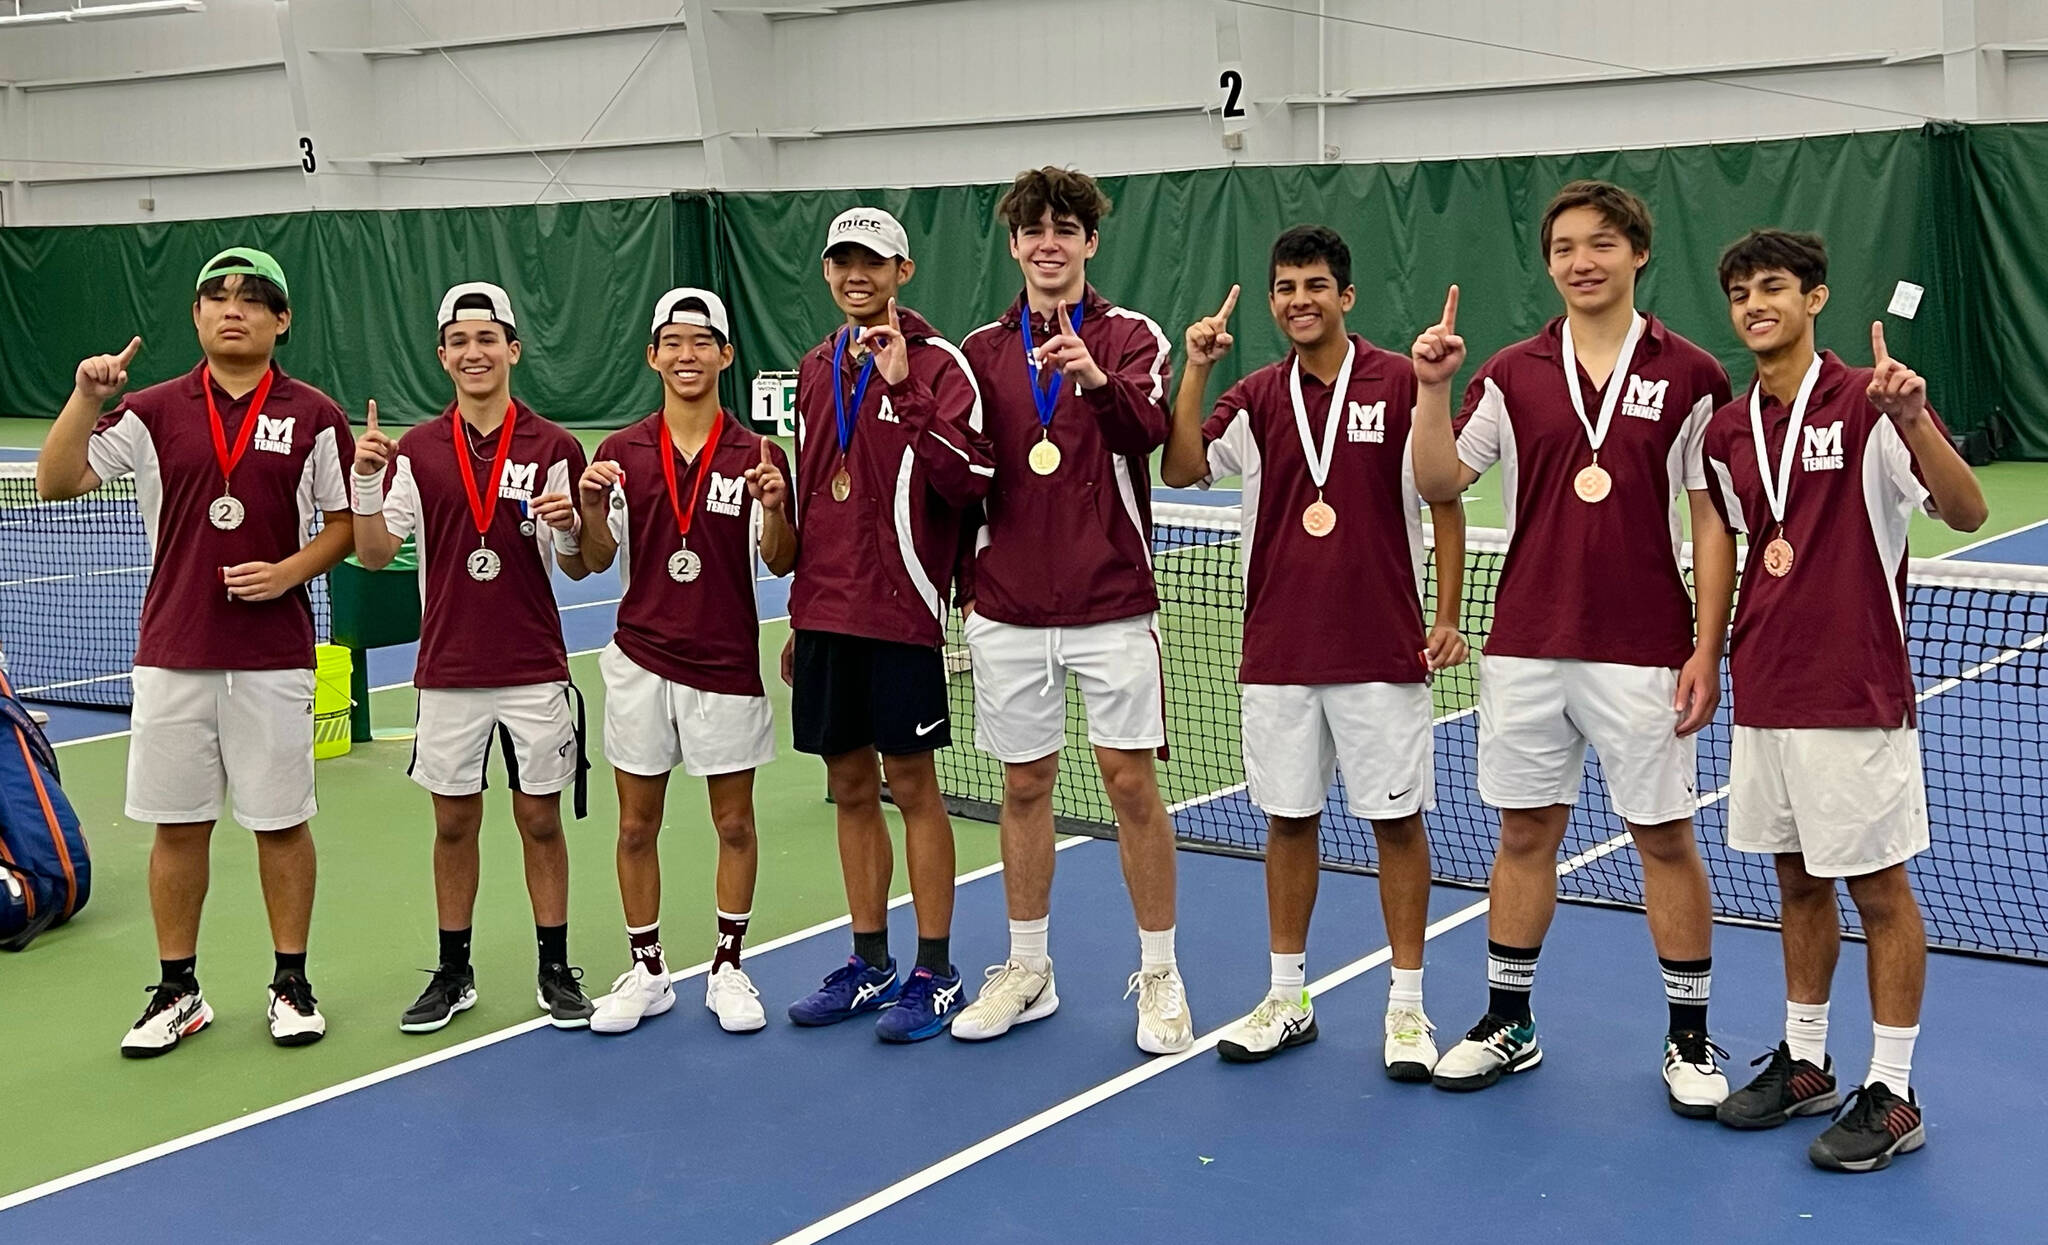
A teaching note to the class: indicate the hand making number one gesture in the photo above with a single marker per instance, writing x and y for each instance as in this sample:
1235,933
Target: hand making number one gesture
1895,389
1066,351
892,354
1209,338
104,376
373,448
765,482
1440,352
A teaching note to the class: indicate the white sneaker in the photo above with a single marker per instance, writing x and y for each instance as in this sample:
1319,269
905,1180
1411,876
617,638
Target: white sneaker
172,1014
1276,1024
732,996
295,1018
635,996
1411,1053
1693,1082
1164,1025
1495,1046
1011,994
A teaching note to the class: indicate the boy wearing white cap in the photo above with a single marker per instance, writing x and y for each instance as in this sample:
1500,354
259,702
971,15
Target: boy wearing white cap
681,500
485,493
889,452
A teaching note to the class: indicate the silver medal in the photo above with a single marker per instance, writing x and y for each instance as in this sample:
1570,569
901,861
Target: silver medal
684,566
483,565
526,527
226,512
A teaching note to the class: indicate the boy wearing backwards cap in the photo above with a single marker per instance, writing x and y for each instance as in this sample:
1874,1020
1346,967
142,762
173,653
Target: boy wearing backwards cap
231,460
889,452
665,498
485,492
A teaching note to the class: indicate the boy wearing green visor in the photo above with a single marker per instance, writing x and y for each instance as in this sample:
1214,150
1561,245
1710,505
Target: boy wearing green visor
231,461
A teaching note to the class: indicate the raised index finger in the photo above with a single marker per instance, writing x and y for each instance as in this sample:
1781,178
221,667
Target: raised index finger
134,344
372,417
1879,355
1229,304
1450,320
895,322
766,444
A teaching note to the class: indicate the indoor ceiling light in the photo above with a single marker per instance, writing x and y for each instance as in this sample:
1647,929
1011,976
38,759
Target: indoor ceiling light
101,12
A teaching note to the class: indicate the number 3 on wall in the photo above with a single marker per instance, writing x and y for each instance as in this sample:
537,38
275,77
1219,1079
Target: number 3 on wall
307,161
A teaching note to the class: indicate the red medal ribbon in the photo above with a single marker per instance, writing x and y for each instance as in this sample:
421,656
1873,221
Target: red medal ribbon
668,471
479,508
228,461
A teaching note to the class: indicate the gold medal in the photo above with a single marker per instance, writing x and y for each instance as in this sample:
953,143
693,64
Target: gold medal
1778,557
1319,519
842,485
1045,458
1593,484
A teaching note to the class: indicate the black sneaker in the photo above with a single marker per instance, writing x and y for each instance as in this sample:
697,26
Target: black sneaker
561,996
1785,1088
1873,1125
449,990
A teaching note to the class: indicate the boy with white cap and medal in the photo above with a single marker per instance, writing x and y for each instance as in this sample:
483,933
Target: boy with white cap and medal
485,491
681,501
233,462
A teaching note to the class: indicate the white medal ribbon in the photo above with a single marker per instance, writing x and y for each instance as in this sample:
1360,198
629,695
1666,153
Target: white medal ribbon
1615,380
1319,467
1775,489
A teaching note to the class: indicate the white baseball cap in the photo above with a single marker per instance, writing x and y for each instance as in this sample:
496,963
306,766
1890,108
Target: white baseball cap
869,227
672,308
499,309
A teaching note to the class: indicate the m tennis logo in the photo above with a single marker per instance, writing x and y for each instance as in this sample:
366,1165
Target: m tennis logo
724,493
1366,423
1645,399
274,435
518,481
1823,449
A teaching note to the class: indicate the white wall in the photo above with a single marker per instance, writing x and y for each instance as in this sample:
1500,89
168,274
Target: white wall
440,102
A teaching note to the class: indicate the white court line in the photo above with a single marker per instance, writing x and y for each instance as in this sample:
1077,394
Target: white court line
265,1115
1992,540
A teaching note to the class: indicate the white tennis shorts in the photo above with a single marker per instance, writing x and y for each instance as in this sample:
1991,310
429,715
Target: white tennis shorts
1020,685
457,725
201,734
1852,800
1382,734
652,725
1536,716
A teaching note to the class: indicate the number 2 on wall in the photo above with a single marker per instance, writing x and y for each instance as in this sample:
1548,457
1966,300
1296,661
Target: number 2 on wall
1233,82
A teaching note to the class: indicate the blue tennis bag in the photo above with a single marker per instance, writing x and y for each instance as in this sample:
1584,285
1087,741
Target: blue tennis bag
45,869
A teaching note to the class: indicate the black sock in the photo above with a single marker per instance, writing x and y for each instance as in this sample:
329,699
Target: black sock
1510,975
455,949
183,972
935,954
872,948
1685,990
732,935
554,943
293,962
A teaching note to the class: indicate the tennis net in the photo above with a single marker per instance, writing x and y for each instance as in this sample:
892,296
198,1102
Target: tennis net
1978,634
72,578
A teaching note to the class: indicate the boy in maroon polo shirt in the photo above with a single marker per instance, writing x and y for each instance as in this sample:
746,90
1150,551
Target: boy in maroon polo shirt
1822,464
889,452
485,490
1060,580
231,462
681,500
1336,658
1595,423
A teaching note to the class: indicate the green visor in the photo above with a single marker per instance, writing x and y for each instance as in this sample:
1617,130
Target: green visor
248,262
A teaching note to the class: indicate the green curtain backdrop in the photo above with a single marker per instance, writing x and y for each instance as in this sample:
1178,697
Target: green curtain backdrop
1950,208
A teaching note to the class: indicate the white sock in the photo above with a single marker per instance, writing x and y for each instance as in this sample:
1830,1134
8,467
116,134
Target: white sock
1027,943
1155,948
1891,1058
1290,974
1806,1032
1406,989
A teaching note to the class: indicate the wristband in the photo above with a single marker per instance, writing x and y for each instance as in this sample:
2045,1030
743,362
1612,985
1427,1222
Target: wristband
367,493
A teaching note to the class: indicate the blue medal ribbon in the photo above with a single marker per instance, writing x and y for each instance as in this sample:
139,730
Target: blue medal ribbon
847,415
1044,397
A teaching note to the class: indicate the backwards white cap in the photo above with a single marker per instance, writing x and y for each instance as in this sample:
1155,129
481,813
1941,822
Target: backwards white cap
500,308
672,308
